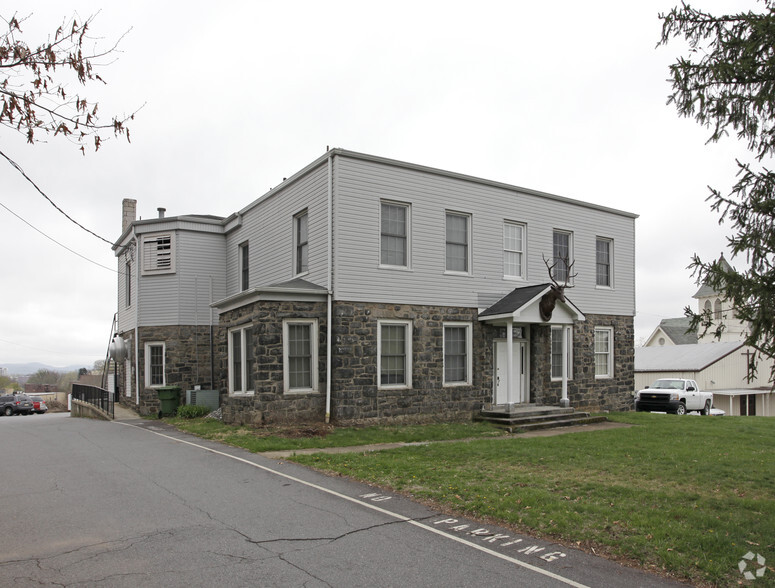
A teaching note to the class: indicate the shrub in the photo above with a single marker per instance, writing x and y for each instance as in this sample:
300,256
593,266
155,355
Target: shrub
190,411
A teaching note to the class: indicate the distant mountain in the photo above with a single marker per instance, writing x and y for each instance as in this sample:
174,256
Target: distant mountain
26,369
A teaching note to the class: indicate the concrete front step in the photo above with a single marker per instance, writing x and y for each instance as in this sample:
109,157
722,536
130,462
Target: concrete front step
527,417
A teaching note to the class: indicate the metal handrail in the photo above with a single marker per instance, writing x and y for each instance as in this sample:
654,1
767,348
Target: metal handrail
95,396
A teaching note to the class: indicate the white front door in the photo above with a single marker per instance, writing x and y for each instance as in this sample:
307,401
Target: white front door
519,390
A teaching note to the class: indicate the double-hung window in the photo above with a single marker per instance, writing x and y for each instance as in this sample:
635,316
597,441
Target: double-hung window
562,252
457,354
301,240
155,372
394,354
556,352
513,250
242,361
394,234
603,258
244,266
458,229
300,356
604,352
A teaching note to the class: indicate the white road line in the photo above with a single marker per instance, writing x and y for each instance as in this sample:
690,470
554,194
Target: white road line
395,515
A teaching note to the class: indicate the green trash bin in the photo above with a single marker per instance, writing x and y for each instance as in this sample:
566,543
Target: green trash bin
169,400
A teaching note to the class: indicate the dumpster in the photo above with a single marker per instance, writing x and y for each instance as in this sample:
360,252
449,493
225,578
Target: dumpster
169,400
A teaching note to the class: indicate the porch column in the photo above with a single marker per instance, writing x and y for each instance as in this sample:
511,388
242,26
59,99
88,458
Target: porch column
564,400
510,358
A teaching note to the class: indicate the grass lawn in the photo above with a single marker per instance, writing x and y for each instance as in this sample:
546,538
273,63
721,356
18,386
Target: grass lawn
686,495
319,436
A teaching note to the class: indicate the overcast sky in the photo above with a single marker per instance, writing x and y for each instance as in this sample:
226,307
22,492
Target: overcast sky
564,97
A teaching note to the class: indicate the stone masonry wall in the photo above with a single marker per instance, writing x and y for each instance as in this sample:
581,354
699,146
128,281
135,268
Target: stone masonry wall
356,396
187,363
585,392
269,403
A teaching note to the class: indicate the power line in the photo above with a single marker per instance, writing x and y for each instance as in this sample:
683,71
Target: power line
57,242
42,193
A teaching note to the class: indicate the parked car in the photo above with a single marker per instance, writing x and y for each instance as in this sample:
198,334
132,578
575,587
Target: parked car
38,405
15,404
674,395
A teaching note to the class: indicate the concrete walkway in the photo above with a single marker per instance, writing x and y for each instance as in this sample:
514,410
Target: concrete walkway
383,446
121,413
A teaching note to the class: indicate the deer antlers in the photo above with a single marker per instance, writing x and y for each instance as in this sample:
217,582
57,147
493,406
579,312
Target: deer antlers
557,292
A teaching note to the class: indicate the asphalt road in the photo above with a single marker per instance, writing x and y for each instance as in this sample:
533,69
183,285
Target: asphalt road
136,503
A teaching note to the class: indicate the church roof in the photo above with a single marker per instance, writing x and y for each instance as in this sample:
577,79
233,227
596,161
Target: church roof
706,290
678,330
682,358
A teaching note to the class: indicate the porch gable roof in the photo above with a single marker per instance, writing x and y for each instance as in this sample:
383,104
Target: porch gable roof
521,304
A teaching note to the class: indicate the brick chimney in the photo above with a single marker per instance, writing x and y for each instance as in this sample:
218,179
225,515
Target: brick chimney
128,213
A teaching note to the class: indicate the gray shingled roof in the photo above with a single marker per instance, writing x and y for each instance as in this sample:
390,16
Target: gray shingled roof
682,358
706,290
676,329
515,299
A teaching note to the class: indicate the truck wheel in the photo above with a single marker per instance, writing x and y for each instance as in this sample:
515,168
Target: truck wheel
681,408
706,411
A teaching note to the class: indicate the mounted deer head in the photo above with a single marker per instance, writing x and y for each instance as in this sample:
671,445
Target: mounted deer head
557,291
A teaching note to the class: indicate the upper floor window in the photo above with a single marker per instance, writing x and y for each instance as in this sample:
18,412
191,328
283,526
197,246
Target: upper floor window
394,234
300,355
457,353
242,361
458,239
603,257
513,250
155,372
394,354
128,284
301,234
158,254
244,266
562,253
604,352
717,309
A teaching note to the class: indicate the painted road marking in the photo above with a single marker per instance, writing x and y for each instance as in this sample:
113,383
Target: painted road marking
395,515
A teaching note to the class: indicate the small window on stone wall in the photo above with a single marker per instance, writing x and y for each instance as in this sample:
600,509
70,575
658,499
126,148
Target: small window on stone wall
300,356
394,354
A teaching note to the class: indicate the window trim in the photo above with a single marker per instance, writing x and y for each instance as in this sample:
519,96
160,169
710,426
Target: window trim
609,354
610,285
523,252
244,265
407,238
148,259
469,353
407,324
313,336
469,245
242,329
297,245
147,349
570,255
570,353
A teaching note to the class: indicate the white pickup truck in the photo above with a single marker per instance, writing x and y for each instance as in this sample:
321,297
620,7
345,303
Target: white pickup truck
674,395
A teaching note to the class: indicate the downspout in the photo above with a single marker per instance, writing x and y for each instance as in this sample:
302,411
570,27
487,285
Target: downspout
212,345
329,297
137,317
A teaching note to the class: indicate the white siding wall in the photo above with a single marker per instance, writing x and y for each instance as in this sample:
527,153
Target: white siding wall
359,186
127,317
183,297
267,225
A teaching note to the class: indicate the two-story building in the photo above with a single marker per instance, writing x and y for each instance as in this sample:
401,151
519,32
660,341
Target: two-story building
367,289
